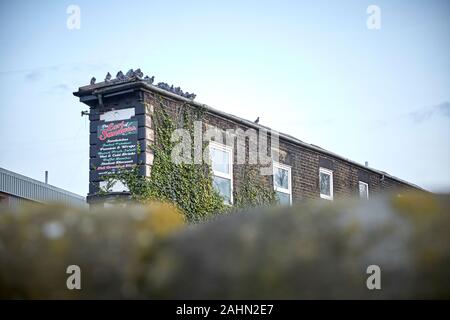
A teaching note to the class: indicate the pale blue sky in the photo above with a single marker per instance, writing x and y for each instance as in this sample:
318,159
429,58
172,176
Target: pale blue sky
310,69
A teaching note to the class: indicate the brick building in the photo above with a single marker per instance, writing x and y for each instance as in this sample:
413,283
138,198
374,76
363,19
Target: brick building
126,105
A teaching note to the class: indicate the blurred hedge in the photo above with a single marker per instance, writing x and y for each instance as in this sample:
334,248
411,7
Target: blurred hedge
316,250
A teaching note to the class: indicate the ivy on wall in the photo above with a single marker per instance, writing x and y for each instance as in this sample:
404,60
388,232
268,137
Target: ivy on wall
253,192
188,186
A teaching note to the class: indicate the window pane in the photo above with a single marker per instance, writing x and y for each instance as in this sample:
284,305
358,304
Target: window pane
363,190
220,160
284,198
223,186
325,183
280,178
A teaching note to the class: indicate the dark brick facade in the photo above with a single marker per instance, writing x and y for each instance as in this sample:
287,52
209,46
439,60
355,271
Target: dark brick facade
304,160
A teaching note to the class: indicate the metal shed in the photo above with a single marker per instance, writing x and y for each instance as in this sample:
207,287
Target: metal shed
16,189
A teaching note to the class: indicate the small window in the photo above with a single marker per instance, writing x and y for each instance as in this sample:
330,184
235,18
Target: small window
326,183
282,183
222,168
363,190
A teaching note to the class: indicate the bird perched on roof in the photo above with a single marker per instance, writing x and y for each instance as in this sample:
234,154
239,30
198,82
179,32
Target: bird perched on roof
120,76
138,73
149,80
257,120
130,73
108,77
164,86
93,80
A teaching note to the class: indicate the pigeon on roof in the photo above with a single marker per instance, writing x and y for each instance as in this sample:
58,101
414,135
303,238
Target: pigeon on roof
108,77
93,81
130,73
120,76
149,80
138,73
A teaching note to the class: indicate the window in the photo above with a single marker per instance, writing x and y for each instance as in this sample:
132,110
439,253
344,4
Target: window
363,190
282,183
326,183
222,167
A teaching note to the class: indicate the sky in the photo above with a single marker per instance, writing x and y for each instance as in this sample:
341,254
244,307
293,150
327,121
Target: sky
311,69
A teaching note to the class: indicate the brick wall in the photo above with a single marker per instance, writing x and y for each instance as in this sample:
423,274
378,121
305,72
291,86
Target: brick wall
303,159
304,162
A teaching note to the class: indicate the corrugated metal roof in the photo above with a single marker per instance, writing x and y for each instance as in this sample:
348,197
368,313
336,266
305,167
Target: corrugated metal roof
27,188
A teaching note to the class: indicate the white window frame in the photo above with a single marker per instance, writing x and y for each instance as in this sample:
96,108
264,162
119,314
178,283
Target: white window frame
330,173
367,188
229,176
280,189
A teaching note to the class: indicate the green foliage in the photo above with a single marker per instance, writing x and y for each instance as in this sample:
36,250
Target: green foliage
253,192
188,186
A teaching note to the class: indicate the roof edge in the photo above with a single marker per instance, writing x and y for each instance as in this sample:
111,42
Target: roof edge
42,184
105,88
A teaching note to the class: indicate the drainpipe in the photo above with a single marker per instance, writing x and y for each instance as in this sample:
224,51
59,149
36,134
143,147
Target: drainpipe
100,100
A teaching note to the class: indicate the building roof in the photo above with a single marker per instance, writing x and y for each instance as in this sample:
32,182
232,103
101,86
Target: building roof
34,190
112,87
